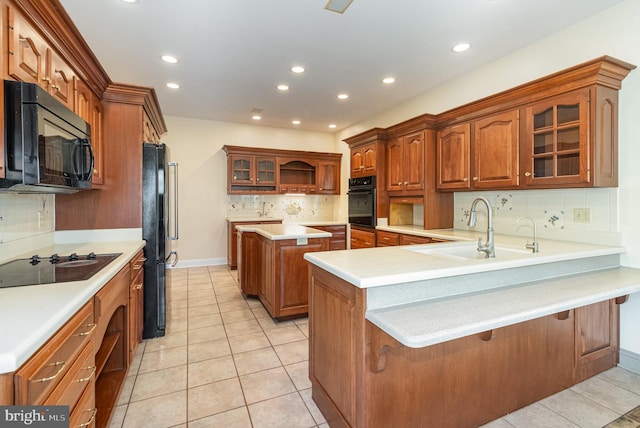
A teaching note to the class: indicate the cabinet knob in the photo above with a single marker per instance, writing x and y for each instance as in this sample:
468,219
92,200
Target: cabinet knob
399,183
475,178
527,174
46,79
406,182
465,179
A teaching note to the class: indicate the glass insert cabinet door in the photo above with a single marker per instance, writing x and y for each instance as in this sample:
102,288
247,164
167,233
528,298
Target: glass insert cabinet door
253,170
558,140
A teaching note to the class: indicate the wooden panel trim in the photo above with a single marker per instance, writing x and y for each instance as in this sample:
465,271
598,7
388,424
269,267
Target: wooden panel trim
138,95
416,124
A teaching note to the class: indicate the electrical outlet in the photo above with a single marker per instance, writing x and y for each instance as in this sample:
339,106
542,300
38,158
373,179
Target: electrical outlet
582,215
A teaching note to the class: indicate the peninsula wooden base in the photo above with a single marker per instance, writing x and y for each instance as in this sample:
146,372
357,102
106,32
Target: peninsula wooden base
362,377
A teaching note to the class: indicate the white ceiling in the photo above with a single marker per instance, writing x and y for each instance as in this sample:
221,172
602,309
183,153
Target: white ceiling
233,53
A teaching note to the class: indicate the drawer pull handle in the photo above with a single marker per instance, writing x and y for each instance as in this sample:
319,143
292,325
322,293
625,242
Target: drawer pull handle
47,379
93,370
91,326
90,421
138,266
139,286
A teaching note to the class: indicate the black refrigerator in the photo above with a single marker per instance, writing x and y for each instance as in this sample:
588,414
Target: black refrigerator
159,230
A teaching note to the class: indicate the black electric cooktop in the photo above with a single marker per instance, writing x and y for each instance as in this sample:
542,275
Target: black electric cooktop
46,270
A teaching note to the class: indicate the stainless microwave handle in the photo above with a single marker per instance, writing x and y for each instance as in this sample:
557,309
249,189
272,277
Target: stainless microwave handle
173,235
78,170
87,144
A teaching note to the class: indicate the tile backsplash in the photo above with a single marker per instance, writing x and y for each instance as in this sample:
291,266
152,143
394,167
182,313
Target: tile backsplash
552,210
287,207
24,216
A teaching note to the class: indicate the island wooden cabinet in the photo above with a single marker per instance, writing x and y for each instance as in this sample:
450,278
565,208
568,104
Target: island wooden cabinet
362,377
232,238
406,163
283,286
387,239
249,262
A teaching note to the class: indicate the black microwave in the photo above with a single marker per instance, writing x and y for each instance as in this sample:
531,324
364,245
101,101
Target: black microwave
47,146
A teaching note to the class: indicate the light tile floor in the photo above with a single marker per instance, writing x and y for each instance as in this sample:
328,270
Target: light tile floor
225,363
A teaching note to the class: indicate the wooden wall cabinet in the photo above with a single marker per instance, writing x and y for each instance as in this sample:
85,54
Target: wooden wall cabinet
362,377
31,59
89,107
364,160
253,170
482,154
571,140
406,163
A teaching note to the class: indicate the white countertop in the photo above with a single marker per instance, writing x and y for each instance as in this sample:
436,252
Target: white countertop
276,232
30,315
426,323
372,267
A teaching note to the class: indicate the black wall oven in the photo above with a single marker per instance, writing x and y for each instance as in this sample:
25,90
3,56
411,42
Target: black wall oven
362,201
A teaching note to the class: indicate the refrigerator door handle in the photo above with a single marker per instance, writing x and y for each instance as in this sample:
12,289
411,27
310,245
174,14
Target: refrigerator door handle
173,236
175,259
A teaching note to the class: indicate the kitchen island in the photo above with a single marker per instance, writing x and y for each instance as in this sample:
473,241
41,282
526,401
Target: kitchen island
271,265
435,335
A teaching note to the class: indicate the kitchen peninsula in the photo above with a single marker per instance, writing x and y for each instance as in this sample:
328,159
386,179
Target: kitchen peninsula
436,335
277,272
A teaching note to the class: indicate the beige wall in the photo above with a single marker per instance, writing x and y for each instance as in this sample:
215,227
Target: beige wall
197,147
613,32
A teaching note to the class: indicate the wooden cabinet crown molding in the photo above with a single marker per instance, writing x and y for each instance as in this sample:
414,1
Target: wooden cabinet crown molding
370,136
294,154
62,34
138,95
604,71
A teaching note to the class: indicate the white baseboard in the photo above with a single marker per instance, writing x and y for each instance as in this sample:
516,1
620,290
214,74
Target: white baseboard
629,361
200,262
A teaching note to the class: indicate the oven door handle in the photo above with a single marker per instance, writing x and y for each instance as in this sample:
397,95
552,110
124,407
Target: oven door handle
360,192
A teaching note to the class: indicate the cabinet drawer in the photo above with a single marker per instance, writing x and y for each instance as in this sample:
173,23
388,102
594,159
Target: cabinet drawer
136,264
362,239
387,239
84,415
70,388
40,375
414,240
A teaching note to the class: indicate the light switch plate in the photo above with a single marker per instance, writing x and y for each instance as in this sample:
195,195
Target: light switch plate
582,215
302,241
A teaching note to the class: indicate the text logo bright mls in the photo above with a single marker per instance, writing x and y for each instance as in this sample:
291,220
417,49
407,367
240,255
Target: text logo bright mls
34,416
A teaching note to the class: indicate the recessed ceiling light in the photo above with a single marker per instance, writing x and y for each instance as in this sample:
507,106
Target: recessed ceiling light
388,80
295,122
333,125
461,47
283,87
297,69
256,117
170,59
173,85
130,1
343,96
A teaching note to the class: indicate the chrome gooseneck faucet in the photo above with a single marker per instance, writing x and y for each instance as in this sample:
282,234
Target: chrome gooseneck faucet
488,248
534,245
